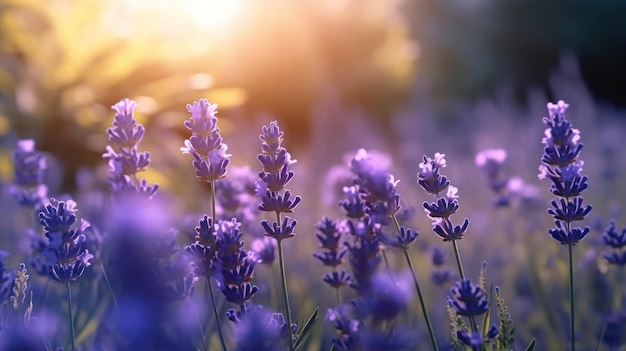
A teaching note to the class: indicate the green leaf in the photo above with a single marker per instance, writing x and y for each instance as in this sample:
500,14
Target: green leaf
531,346
487,319
306,330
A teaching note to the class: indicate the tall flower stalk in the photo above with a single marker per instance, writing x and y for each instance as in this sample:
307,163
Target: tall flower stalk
430,179
561,164
375,195
210,162
125,159
276,161
66,255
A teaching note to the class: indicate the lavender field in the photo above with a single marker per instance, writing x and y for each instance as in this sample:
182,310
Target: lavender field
202,199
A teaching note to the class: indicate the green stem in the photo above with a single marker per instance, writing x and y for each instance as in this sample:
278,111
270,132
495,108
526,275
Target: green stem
213,202
69,303
217,318
201,328
108,283
431,333
571,296
281,265
457,255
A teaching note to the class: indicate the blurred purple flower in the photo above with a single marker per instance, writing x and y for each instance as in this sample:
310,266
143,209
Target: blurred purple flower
29,169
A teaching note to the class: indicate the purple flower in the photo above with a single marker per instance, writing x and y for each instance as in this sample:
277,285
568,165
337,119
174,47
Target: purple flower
264,250
205,144
562,165
29,168
429,176
125,159
66,255
468,299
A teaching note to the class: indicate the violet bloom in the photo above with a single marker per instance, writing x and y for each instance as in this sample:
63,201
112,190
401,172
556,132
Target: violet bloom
125,159
276,174
440,211
206,144
65,254
29,167
561,164
379,187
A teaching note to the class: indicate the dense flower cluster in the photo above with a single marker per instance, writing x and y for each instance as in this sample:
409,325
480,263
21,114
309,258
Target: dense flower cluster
561,164
616,241
125,159
276,174
29,169
332,252
205,144
66,255
431,180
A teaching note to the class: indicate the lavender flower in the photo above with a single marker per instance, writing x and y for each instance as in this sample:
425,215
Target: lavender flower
490,161
264,250
237,265
616,241
469,299
378,186
65,254
562,165
7,279
29,169
205,144
332,252
125,159
431,180
476,340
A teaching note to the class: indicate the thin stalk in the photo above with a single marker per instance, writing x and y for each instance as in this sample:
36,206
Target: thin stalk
69,303
281,264
571,296
338,296
457,255
201,328
431,333
108,283
213,202
217,318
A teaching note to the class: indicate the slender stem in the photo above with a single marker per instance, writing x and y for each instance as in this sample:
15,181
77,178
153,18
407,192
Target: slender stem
213,202
457,255
338,296
431,333
69,303
571,296
108,283
201,328
429,325
217,318
281,265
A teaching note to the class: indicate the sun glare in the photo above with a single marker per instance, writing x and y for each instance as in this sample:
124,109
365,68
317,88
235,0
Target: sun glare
172,19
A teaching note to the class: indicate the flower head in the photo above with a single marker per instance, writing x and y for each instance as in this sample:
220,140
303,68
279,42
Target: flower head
205,144
469,299
29,168
65,254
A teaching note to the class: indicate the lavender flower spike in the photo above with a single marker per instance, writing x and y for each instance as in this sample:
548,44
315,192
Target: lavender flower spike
29,168
125,159
206,144
66,254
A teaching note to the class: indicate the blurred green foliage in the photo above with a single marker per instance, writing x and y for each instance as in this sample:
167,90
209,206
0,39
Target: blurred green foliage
64,62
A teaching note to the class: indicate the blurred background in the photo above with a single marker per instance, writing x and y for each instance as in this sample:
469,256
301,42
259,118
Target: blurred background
63,63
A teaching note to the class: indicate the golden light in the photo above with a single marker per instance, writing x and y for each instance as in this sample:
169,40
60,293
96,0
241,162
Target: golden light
176,19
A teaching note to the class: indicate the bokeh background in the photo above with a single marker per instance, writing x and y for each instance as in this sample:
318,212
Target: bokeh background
64,62
407,78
